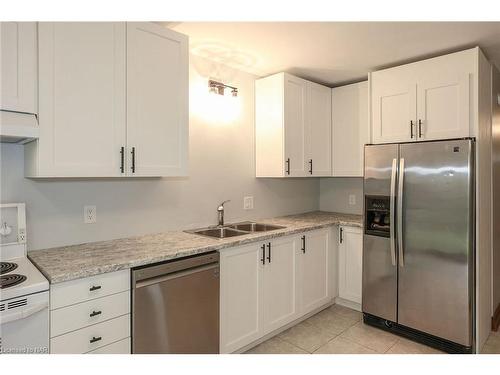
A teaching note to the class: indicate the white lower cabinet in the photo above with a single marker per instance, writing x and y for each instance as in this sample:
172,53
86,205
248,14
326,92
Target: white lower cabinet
314,270
93,337
240,296
350,261
118,347
279,287
91,315
263,286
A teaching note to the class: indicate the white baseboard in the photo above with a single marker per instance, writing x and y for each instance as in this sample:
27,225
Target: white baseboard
349,304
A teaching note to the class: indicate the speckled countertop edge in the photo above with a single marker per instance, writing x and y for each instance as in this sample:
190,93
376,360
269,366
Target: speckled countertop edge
89,259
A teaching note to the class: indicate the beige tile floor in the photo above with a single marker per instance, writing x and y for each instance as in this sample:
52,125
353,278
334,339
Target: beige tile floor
492,345
339,330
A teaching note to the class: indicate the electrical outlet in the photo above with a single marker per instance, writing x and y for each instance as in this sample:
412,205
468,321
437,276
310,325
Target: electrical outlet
352,199
89,214
248,203
21,235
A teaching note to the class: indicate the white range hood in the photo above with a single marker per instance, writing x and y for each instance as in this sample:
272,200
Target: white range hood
17,127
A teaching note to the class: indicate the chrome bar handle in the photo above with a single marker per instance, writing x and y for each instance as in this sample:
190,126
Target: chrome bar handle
400,211
392,208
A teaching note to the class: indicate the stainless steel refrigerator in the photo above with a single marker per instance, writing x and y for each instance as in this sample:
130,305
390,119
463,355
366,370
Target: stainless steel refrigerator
418,243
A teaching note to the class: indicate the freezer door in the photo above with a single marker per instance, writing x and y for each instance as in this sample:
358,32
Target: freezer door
379,295
436,252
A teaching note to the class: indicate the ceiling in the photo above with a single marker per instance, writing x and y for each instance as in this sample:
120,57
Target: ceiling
333,53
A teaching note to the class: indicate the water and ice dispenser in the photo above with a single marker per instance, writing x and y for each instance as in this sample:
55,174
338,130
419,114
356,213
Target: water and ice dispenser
377,216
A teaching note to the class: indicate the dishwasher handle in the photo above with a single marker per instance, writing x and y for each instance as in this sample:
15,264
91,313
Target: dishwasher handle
180,264
175,275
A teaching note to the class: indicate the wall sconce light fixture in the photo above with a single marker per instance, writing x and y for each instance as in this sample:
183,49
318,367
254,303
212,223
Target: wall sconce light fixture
215,87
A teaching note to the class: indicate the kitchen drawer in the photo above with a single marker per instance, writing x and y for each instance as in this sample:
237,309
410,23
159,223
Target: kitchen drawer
70,318
80,290
119,347
79,341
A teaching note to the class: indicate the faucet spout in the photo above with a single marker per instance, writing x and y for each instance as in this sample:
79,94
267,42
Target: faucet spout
220,213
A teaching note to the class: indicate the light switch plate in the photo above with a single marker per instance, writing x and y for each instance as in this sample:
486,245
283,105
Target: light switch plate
248,203
89,214
352,199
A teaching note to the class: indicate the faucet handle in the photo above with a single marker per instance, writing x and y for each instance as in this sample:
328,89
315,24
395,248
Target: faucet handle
221,206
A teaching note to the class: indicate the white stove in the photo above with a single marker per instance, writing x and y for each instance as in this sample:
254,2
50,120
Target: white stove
24,296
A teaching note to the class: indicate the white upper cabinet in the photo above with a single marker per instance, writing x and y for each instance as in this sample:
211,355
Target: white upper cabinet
157,100
81,100
112,101
18,75
426,100
295,100
293,127
394,105
350,129
443,97
319,129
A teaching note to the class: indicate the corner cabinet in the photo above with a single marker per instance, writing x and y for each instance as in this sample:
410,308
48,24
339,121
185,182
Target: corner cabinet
350,263
113,101
350,129
426,100
265,286
293,127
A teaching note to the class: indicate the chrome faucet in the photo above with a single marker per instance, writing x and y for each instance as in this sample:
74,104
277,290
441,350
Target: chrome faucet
220,213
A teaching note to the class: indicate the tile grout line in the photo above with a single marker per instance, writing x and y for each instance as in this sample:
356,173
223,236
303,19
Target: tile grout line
393,345
295,346
333,338
339,334
366,347
291,343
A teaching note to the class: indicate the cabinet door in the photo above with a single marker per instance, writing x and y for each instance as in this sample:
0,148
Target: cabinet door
82,98
319,130
240,296
350,264
443,105
279,284
350,129
18,75
393,105
295,92
157,100
314,270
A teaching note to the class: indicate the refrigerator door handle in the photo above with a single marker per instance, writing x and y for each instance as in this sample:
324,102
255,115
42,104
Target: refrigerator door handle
392,208
400,211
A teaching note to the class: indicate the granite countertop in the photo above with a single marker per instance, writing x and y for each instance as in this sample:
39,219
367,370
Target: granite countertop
84,260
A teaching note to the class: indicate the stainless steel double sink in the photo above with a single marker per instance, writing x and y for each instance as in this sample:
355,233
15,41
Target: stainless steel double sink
233,230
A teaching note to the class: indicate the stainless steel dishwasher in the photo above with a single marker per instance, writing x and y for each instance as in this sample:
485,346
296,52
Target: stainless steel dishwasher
175,306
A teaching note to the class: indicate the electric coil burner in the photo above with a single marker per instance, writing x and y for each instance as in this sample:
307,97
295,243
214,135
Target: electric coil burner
12,279
6,267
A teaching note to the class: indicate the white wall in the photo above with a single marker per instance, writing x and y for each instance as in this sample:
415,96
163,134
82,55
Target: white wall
334,194
221,167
